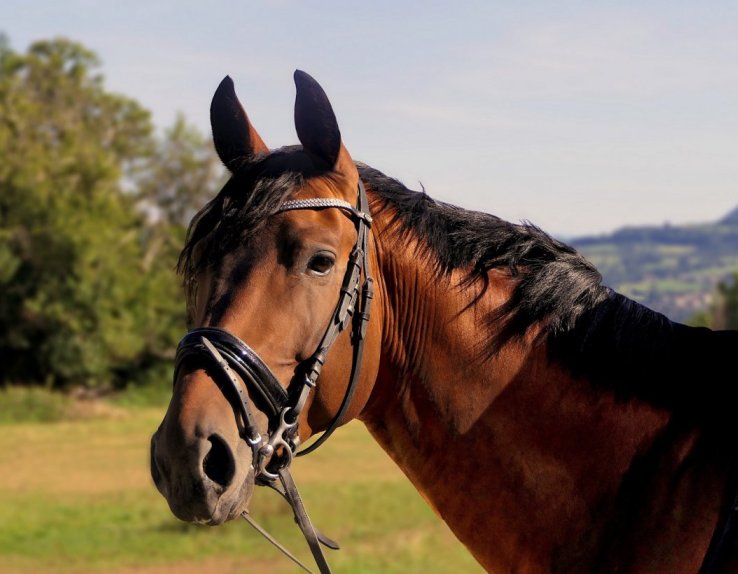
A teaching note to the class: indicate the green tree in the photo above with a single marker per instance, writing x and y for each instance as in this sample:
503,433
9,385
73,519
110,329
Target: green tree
177,180
88,294
723,313
171,185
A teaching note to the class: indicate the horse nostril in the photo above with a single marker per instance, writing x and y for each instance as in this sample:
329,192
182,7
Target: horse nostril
154,465
155,473
218,463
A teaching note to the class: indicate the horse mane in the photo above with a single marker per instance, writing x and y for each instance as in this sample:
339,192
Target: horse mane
625,346
636,352
612,341
554,284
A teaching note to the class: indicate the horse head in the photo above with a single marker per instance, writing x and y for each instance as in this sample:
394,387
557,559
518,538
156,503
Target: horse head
276,268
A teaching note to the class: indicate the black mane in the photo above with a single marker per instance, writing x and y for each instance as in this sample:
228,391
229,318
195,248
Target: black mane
594,332
637,352
555,284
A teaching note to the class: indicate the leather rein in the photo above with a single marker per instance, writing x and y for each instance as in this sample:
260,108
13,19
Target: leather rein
241,371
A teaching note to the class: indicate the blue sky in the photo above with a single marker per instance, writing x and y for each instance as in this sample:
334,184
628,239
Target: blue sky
578,116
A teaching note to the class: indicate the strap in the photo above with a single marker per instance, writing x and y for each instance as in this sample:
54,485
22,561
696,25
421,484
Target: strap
348,306
249,366
322,202
314,537
255,525
322,538
363,318
303,520
252,431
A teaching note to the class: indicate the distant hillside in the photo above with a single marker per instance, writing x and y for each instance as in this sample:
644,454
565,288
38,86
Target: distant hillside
731,218
672,269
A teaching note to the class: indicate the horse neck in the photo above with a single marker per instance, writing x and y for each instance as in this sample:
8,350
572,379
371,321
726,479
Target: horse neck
496,444
431,339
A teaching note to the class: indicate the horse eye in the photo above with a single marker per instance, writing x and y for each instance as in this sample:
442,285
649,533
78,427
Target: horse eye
320,264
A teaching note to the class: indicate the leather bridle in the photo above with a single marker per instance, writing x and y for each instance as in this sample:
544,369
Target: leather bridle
241,369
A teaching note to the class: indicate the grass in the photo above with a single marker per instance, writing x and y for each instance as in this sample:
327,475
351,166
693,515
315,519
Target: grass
19,404
76,497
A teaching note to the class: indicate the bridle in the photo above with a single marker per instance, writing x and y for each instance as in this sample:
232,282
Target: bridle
241,369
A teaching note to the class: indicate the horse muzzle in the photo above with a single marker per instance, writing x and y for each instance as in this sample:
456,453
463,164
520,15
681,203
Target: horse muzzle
204,479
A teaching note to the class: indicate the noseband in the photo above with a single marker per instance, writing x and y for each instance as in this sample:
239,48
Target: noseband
240,369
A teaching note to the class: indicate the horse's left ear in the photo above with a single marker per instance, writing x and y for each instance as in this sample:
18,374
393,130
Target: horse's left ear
316,123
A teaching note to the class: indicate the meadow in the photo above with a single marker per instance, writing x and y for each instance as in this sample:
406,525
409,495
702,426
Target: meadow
76,497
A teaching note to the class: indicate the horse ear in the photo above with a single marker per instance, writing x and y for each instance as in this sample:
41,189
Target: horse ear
235,139
315,121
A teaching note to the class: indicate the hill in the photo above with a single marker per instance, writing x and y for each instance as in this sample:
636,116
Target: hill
672,269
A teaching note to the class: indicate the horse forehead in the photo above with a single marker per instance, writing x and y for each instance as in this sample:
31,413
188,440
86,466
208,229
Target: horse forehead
326,186
330,225
320,221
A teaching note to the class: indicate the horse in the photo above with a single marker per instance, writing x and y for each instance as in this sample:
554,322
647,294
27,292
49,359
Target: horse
554,424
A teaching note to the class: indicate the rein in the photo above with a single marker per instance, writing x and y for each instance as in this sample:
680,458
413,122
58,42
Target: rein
241,369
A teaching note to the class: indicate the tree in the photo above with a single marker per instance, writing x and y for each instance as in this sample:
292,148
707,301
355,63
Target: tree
177,180
171,185
86,296
723,313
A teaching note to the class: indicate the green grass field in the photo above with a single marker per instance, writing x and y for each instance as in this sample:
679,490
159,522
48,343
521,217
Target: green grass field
75,496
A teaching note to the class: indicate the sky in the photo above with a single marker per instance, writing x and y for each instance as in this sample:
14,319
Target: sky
581,117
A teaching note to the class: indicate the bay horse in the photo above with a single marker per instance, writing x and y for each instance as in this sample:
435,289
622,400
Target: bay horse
552,423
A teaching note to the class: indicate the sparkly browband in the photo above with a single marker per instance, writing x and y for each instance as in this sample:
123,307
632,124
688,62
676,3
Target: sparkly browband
318,203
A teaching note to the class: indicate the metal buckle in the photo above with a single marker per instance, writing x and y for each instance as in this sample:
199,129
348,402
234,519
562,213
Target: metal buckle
279,439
